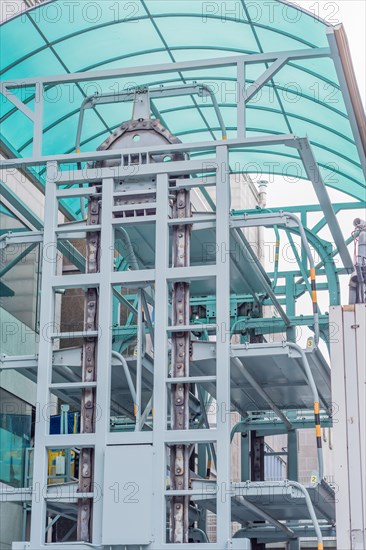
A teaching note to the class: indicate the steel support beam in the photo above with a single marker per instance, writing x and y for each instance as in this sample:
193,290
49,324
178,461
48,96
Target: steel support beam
265,77
38,518
85,76
343,64
177,167
104,353
23,108
314,175
223,505
160,351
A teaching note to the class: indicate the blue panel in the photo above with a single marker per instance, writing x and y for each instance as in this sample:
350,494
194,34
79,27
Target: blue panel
39,63
102,43
213,32
17,49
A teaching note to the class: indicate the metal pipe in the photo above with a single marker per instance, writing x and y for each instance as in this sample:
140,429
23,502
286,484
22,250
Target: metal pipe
237,429
314,390
217,110
140,330
80,124
262,202
309,504
201,533
130,251
161,91
148,317
277,256
211,446
305,241
261,392
312,274
310,507
127,373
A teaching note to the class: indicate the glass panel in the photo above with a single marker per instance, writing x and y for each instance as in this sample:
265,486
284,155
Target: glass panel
62,137
15,437
311,110
19,271
134,59
101,43
216,33
266,120
180,121
313,86
10,129
187,53
19,286
60,101
11,34
270,36
322,136
223,30
37,64
58,19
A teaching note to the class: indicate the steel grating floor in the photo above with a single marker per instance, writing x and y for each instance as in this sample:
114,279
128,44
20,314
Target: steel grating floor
280,502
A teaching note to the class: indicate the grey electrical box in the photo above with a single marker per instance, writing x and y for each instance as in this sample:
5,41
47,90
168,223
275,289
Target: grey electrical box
127,495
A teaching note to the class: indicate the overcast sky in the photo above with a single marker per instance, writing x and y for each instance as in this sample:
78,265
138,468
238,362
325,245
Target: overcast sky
352,13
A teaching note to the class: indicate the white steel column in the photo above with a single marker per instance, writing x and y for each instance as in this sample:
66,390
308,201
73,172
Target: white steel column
104,354
44,371
160,358
223,347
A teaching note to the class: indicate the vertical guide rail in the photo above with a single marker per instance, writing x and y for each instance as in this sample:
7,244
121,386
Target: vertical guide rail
140,329
179,454
89,373
104,353
223,346
44,371
160,357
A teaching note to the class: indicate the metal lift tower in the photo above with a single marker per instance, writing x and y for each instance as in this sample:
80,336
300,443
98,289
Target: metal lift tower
172,352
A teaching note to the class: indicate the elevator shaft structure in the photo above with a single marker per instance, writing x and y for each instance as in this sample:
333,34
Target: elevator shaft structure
148,132
172,370
135,192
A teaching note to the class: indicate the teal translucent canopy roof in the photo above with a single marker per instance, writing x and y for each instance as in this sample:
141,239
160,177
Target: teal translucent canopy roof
304,98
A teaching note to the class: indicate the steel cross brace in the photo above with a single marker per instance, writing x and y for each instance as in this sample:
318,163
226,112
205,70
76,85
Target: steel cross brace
313,172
